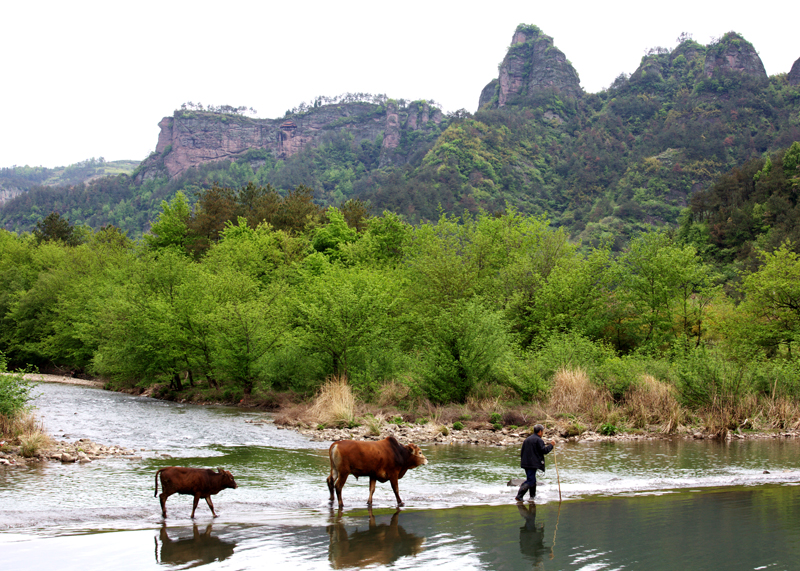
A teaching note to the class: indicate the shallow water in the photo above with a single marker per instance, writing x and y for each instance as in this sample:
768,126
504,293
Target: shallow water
647,505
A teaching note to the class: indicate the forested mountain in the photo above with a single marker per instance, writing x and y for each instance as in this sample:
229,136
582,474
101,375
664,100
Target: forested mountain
601,165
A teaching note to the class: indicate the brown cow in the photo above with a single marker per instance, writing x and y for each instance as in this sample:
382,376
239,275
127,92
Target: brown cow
197,482
384,460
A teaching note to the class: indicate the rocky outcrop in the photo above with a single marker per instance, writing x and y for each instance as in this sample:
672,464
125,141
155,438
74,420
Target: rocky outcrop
794,74
191,138
532,64
9,192
733,54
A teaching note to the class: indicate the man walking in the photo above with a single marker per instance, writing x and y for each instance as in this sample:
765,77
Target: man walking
532,454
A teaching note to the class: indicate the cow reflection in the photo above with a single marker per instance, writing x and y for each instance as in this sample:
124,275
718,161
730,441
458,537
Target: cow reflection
200,549
380,544
531,536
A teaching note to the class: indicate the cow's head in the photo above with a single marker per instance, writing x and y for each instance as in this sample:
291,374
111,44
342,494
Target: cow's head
227,479
417,458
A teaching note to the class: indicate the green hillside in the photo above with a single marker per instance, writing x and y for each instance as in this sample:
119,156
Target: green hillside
603,165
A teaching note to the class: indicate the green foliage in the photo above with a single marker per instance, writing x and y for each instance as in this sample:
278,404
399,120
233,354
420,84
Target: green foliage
458,426
15,391
343,313
608,429
465,345
56,228
618,375
773,299
495,417
170,229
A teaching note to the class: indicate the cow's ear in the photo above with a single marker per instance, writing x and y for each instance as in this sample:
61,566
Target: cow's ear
219,470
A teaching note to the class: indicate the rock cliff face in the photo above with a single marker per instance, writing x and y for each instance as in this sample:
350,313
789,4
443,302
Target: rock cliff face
733,54
794,74
9,192
191,138
532,64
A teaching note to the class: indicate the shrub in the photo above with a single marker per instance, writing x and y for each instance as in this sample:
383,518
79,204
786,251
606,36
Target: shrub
572,429
513,418
467,347
15,391
495,418
458,426
570,351
704,377
608,429
617,375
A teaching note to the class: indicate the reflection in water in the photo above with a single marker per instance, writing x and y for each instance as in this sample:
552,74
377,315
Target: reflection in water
197,550
531,536
380,544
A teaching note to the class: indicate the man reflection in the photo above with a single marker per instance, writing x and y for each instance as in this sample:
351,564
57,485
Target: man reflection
198,550
531,536
380,544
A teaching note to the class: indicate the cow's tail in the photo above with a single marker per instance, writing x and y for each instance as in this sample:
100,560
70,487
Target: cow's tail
336,459
157,473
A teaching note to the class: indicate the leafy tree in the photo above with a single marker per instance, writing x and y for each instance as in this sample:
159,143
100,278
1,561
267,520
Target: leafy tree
170,230
247,325
56,228
772,298
658,287
462,347
343,312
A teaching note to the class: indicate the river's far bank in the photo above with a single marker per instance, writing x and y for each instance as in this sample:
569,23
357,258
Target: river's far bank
490,436
46,378
378,423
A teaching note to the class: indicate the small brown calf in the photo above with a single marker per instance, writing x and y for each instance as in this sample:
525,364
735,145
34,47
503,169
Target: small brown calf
197,482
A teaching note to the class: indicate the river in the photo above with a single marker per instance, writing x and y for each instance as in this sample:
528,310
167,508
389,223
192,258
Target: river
675,504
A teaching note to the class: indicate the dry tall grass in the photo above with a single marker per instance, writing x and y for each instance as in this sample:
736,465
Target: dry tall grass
652,402
782,413
335,403
17,425
726,414
31,443
574,393
392,393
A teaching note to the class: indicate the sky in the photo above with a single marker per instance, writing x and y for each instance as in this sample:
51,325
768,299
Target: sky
85,79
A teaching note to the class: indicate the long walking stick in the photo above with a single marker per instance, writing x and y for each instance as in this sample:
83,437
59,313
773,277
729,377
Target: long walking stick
558,477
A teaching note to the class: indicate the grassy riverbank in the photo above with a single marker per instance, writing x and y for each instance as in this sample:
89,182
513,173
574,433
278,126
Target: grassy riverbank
575,408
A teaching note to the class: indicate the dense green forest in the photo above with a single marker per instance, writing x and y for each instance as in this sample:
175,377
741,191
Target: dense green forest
252,292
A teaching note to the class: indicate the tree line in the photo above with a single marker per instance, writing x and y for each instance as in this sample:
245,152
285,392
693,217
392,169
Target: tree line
252,291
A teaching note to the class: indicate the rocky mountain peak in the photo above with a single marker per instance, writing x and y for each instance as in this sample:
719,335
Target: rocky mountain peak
732,53
794,74
532,64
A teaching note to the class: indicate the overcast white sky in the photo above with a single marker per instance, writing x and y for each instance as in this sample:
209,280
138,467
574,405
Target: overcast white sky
86,79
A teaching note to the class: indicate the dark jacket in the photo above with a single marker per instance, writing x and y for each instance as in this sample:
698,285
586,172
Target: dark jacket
533,451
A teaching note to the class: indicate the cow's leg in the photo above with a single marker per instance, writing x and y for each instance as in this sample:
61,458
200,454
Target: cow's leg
372,482
194,504
163,497
208,501
331,479
396,490
339,485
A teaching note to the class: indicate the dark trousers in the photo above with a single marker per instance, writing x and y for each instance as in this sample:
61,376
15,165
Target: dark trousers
529,485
